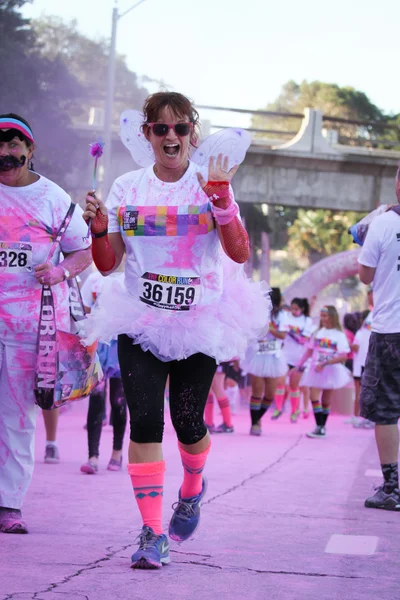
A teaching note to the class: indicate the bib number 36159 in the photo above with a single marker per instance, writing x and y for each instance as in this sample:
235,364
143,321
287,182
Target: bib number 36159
169,292
15,257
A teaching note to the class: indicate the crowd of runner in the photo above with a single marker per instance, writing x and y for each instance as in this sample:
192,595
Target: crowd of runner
181,324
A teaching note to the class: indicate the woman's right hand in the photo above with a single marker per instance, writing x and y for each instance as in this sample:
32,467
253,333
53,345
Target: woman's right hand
95,213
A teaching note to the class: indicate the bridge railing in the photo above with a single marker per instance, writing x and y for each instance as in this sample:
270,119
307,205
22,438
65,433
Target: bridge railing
354,132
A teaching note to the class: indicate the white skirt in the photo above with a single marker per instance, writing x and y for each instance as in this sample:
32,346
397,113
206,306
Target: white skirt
222,330
264,365
332,377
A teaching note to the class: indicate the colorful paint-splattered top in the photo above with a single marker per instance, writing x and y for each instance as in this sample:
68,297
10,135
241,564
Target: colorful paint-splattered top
328,342
174,256
29,219
299,331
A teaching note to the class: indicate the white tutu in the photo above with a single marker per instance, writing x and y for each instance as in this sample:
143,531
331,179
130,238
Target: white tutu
264,365
223,329
332,377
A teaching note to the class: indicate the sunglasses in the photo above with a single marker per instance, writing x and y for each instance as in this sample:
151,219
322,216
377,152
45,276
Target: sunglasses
161,129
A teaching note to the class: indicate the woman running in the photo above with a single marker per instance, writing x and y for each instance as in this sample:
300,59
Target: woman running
299,328
266,364
187,306
328,351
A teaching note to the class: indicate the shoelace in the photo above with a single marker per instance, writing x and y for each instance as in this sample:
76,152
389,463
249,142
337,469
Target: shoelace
185,509
147,540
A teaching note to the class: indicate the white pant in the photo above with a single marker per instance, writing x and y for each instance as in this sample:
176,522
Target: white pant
17,415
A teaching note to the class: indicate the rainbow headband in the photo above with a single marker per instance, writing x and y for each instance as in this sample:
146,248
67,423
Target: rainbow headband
7,123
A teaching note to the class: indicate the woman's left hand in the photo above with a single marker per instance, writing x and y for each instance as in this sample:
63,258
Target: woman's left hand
218,170
49,274
319,367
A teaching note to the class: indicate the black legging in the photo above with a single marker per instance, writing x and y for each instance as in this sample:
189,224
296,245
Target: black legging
97,405
144,377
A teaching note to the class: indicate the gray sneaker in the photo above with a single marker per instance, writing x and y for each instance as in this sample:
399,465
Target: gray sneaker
256,429
51,455
319,432
223,428
383,500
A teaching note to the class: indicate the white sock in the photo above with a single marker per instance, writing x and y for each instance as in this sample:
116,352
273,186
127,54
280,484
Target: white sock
52,444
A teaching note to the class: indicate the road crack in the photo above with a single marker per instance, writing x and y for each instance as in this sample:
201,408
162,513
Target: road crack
254,475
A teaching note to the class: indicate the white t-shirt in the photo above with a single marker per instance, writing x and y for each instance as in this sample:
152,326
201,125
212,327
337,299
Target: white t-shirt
328,343
381,251
173,253
269,344
361,339
30,217
299,330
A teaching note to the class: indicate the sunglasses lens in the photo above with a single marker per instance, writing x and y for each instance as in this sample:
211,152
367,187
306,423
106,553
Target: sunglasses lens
182,129
160,129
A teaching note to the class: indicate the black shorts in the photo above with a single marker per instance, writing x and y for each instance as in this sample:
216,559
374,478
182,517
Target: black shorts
230,372
380,383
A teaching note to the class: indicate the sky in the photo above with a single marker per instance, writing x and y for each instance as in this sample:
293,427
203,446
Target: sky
238,53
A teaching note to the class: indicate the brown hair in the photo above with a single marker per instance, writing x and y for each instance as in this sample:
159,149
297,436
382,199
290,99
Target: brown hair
334,317
178,103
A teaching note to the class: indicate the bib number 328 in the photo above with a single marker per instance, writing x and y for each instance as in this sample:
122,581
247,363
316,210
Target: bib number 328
169,292
15,257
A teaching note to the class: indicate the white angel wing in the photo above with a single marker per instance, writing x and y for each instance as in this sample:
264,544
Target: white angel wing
232,143
133,138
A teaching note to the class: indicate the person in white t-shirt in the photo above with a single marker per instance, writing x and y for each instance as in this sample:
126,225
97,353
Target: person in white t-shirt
187,306
266,364
32,209
328,351
379,263
299,329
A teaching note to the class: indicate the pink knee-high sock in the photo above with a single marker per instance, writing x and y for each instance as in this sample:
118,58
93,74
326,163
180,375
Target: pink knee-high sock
193,465
209,410
225,407
279,397
148,484
294,396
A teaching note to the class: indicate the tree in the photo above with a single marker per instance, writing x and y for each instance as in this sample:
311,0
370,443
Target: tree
39,89
319,233
87,60
344,102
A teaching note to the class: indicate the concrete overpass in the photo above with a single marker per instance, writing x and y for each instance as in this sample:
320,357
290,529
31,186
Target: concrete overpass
308,171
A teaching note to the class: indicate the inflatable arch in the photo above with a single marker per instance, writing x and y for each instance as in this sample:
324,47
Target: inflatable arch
324,272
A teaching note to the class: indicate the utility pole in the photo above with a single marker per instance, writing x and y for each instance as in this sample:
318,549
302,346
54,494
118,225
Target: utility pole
108,107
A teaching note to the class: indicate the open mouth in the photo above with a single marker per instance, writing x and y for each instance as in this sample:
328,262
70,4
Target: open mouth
171,150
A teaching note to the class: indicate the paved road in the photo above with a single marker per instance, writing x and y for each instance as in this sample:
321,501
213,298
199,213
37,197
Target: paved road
275,505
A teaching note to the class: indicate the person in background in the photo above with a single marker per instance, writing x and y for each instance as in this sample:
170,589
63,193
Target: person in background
108,355
327,350
299,328
266,364
218,390
380,385
360,349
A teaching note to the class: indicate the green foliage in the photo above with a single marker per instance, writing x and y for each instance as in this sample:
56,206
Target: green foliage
319,233
87,60
345,102
38,89
51,76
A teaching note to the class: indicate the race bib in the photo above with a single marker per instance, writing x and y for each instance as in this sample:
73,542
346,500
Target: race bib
15,257
322,357
269,347
169,292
